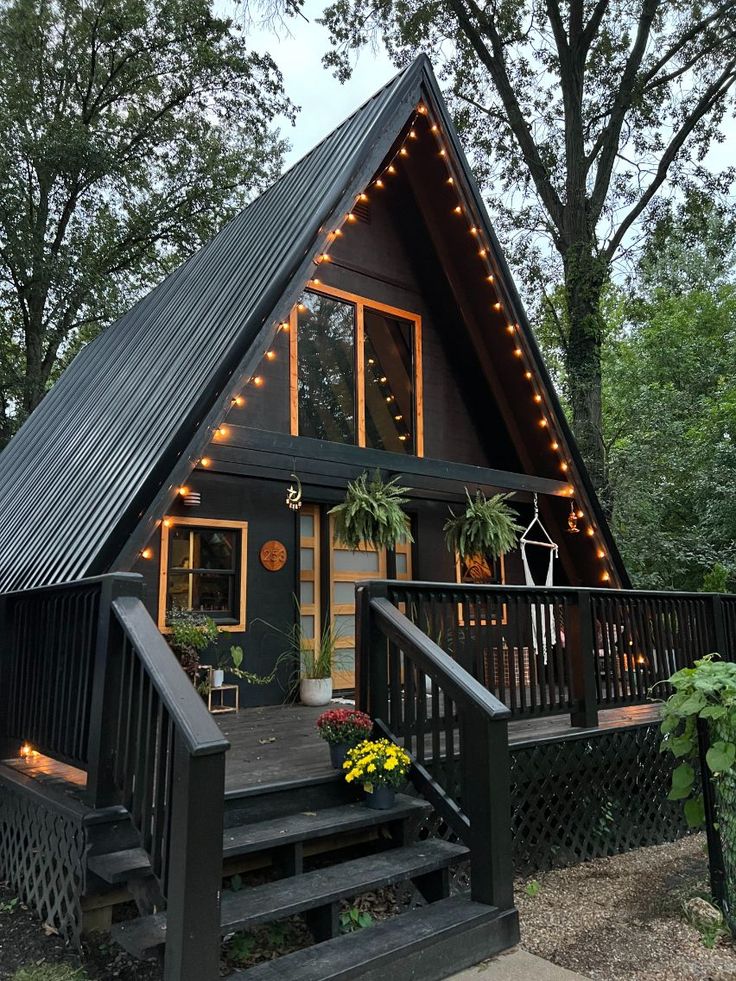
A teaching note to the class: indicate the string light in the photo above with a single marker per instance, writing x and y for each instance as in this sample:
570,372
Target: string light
257,381
537,398
205,461
147,553
221,431
270,355
528,375
238,400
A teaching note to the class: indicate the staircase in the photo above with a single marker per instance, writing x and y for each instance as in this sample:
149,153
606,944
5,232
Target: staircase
446,934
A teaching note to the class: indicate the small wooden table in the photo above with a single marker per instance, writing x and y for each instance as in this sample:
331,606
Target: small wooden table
220,707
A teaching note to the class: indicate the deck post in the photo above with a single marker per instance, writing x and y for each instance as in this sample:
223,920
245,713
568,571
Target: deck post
101,790
195,877
719,630
582,654
486,789
372,696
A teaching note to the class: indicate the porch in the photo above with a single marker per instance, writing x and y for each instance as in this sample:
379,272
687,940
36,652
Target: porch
516,704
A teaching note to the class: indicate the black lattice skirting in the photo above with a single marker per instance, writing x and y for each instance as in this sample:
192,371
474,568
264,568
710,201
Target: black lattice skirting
583,798
42,857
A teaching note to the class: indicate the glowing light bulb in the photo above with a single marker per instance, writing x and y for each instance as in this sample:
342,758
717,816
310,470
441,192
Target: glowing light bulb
403,152
528,375
482,253
402,437
412,134
383,379
450,180
221,431
555,445
443,152
167,522
379,183
489,278
510,328
422,109
498,306
257,381
183,491
371,361
601,554
518,352
537,398
398,418
564,466
590,531
391,169
284,326
543,423
270,355
350,216
606,577
362,196
473,230
205,461
337,233
435,128
147,553
389,398
238,400
458,209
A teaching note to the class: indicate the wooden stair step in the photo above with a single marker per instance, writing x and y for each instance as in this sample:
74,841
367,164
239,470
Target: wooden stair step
277,900
118,867
304,826
431,943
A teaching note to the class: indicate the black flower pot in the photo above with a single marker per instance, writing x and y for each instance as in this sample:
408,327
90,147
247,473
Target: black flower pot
338,754
382,798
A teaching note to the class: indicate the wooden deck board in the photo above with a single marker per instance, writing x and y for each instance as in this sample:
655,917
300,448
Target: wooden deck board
278,744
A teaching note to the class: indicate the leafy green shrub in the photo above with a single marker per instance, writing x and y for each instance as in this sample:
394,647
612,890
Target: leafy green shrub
706,691
372,514
486,527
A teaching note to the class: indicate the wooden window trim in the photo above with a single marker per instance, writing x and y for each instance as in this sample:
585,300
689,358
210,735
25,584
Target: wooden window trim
361,303
172,521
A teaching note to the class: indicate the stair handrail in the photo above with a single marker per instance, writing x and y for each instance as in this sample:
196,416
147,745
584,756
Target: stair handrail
480,812
157,751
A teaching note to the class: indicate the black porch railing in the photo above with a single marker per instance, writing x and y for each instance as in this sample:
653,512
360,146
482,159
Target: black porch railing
89,680
420,697
546,651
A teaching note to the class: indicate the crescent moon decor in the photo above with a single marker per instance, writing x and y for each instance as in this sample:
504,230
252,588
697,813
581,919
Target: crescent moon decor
294,494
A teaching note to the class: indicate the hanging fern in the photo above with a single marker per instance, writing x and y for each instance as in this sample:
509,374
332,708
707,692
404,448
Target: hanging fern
372,514
486,527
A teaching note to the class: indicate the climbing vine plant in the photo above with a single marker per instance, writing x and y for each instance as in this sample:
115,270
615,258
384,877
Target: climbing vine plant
706,691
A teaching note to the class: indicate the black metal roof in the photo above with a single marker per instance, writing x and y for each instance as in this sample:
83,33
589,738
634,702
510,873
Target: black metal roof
116,434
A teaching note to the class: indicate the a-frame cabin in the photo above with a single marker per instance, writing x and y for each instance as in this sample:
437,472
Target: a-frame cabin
358,315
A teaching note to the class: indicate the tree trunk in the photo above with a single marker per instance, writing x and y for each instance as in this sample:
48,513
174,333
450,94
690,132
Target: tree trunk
585,276
34,383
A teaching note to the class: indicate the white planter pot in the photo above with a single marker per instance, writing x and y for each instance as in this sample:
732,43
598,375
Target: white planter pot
218,678
315,691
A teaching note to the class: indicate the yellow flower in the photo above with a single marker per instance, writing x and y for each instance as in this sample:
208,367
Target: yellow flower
371,767
390,764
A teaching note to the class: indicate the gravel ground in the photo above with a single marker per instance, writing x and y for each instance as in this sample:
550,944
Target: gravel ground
622,918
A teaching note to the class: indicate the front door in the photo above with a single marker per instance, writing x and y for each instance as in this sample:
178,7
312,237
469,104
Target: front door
346,568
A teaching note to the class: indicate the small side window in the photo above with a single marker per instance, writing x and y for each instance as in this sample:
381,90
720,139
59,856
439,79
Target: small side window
203,568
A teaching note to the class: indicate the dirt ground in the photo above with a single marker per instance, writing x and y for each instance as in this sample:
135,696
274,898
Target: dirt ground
616,919
622,918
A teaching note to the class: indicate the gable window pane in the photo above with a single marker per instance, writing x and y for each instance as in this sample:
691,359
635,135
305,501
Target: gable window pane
326,368
389,384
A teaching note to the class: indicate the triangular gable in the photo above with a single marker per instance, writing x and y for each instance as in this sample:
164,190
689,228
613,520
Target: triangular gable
89,475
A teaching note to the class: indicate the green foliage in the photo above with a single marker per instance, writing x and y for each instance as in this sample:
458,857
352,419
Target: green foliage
716,579
50,972
240,947
486,527
315,656
372,514
132,131
354,919
190,634
706,691
10,905
231,661
532,889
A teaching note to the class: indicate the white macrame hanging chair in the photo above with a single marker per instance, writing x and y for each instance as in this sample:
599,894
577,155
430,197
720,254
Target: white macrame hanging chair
542,539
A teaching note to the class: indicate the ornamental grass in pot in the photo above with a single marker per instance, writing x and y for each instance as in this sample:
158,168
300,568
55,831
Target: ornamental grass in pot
381,767
343,729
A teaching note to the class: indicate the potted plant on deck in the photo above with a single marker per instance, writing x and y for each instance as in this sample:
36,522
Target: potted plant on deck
485,528
381,767
343,729
190,634
372,514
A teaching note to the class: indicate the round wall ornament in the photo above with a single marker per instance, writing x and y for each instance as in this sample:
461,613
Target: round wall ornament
273,555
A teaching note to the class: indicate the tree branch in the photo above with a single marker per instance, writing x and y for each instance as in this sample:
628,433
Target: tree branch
705,104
